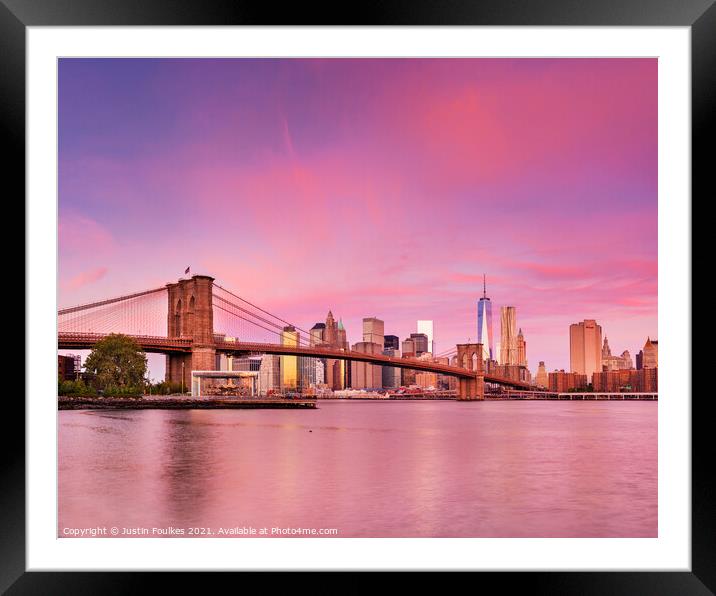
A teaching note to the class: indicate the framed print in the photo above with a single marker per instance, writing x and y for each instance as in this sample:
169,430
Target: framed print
384,296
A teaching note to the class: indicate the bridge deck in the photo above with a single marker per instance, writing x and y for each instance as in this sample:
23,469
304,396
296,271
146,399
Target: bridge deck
169,345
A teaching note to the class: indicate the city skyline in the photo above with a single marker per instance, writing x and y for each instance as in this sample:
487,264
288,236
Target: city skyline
557,157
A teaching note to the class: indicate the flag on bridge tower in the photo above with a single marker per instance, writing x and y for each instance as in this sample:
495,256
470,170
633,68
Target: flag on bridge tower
187,270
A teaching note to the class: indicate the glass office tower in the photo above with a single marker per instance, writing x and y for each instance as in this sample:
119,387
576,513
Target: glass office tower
484,322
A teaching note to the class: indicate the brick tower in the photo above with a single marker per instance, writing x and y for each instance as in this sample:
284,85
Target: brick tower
190,315
469,356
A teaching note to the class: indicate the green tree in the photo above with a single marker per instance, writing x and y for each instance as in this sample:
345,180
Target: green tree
118,363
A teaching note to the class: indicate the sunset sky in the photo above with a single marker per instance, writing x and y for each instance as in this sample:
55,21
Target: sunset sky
371,187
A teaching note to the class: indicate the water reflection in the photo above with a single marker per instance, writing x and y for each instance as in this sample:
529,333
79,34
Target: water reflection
368,468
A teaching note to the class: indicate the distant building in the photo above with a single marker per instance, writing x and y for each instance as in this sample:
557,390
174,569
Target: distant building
426,328
562,382
66,368
514,372
421,343
616,381
269,374
521,349
651,354
640,360
391,342
391,374
246,363
316,334
408,347
541,378
363,374
290,377
336,373
373,331
508,335
484,324
312,372
585,347
610,362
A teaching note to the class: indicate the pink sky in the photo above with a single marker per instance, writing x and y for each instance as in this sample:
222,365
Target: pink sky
371,187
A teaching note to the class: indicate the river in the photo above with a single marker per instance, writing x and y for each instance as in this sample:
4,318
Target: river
364,469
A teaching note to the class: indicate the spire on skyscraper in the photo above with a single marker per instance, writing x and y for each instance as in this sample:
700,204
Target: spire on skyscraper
484,286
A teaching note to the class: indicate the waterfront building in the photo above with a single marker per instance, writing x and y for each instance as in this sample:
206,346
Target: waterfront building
484,323
363,374
445,381
640,360
541,378
312,372
585,347
610,362
245,364
508,335
620,380
391,342
290,374
269,374
562,382
650,358
66,367
514,372
426,328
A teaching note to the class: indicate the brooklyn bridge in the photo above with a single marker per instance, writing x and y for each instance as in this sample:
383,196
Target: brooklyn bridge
193,320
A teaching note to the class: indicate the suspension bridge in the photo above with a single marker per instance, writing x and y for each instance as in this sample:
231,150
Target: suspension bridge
193,320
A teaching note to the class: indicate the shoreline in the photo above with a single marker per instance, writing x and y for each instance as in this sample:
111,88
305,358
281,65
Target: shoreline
180,403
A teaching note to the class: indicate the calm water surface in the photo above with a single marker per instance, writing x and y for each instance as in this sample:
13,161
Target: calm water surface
374,469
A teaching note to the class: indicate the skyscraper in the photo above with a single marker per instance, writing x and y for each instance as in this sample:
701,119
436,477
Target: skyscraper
391,342
508,335
373,331
421,343
363,374
521,349
650,358
484,323
426,327
585,347
541,378
289,364
317,332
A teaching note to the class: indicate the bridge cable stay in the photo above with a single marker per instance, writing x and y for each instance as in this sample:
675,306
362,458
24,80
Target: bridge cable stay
260,309
279,333
140,313
246,311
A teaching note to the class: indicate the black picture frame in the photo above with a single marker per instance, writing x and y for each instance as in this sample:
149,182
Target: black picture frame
700,15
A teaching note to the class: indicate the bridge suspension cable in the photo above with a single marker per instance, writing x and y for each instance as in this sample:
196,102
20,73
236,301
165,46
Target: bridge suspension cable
66,311
139,313
259,308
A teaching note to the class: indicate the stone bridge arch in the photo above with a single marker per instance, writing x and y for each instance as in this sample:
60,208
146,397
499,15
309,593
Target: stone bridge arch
469,356
191,314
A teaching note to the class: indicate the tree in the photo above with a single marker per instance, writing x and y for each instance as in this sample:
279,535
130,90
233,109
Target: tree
117,361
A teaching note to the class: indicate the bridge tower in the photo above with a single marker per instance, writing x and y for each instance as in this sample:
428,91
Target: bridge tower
469,356
191,315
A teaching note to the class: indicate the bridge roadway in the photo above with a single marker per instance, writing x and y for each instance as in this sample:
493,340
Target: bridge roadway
174,345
